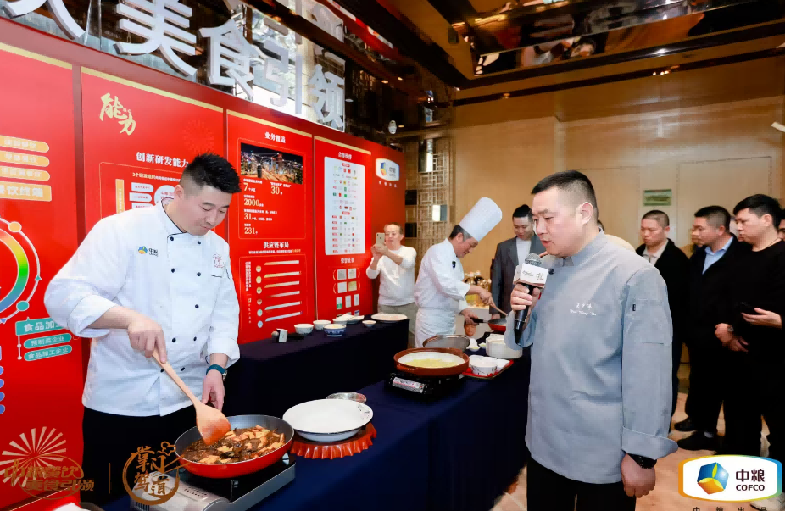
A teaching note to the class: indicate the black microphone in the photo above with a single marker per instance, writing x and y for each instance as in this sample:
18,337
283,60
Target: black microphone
529,278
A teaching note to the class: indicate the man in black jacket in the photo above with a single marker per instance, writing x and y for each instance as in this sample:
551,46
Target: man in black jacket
510,254
673,265
710,265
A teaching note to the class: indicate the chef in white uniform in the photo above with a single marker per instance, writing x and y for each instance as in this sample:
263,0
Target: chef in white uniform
440,291
150,279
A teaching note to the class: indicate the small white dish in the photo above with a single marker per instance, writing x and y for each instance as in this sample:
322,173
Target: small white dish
369,323
482,366
319,324
303,329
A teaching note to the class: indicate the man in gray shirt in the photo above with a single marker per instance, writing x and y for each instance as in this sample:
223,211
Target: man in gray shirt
600,391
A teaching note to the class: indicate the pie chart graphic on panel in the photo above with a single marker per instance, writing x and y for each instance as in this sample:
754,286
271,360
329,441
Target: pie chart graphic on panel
18,280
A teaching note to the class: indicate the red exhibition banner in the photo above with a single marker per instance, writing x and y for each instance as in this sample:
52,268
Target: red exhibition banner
270,226
138,140
388,190
40,362
342,225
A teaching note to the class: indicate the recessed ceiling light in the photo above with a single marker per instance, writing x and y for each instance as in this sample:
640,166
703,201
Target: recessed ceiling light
400,79
506,95
384,81
400,125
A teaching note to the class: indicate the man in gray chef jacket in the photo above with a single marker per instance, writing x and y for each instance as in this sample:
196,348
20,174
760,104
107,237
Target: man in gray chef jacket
600,337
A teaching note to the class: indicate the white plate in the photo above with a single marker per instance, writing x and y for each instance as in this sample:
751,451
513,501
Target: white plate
314,437
328,417
389,318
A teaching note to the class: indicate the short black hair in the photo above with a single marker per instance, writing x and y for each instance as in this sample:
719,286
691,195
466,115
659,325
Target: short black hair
716,216
571,181
761,205
522,211
456,230
661,217
396,224
209,169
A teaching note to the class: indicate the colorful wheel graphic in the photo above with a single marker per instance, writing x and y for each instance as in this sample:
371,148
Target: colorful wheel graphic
13,287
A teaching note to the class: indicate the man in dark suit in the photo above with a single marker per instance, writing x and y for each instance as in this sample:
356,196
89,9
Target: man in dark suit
510,254
673,265
710,265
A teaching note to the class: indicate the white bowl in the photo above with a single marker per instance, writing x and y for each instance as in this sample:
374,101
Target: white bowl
497,348
319,324
335,329
303,329
328,420
482,366
369,323
348,319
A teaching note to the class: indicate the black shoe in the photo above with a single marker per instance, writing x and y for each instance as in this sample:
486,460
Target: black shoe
698,441
685,425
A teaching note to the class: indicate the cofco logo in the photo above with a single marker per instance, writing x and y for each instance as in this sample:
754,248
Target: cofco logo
730,478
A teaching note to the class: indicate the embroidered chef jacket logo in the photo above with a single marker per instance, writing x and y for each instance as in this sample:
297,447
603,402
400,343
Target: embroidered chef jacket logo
218,261
145,250
585,309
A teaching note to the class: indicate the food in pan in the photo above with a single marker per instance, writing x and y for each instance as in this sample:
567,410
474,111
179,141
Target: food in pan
432,363
431,360
237,445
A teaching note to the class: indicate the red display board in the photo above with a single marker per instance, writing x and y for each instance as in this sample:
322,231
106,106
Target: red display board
40,362
342,225
137,140
388,188
271,225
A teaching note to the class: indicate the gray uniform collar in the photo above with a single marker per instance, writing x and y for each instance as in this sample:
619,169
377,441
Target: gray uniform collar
585,254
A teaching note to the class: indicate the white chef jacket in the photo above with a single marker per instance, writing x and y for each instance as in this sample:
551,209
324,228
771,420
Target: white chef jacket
439,293
141,260
397,284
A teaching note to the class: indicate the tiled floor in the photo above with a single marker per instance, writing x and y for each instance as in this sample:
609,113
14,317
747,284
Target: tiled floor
666,496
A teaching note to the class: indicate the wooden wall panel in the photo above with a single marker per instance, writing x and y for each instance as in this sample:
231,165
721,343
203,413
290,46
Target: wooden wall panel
625,154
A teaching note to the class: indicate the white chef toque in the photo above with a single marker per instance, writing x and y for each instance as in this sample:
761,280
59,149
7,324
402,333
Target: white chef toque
483,217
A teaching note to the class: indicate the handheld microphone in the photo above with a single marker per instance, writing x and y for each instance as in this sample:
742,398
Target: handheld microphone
531,274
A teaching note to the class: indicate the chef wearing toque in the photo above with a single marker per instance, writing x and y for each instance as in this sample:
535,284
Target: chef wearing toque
440,291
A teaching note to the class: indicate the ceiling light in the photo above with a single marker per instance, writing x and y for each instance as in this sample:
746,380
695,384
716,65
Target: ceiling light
506,95
400,79
349,100
661,51
400,125
384,81
457,89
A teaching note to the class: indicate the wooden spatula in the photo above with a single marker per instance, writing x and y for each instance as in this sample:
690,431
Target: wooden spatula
498,309
211,423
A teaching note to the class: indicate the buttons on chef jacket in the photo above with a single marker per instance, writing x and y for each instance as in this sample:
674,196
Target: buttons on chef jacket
172,270
171,238
194,339
198,274
182,368
174,339
162,370
197,305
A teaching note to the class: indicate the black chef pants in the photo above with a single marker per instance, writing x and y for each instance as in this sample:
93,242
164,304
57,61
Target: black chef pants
110,440
707,380
755,386
548,491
